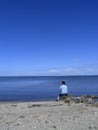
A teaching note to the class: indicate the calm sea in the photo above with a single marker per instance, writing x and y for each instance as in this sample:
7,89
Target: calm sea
36,88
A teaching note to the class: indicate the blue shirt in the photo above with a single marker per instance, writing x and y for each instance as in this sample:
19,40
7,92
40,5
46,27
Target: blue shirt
63,89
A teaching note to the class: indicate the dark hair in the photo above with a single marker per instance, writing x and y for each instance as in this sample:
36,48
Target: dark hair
63,82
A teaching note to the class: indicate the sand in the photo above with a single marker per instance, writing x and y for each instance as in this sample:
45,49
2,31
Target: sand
47,115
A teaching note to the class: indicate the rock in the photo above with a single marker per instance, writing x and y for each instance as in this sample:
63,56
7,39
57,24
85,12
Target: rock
65,97
67,100
96,104
90,101
75,99
86,99
54,127
22,116
83,99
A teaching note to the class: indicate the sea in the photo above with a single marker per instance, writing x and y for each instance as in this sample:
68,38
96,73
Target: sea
44,88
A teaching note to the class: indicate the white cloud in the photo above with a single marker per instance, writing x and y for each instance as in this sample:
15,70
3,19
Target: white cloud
81,70
87,69
68,69
71,71
54,71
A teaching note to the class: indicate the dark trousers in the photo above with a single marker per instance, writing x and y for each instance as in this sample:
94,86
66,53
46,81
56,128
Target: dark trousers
63,95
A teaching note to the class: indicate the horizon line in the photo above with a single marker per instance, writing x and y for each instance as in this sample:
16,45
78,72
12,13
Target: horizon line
44,75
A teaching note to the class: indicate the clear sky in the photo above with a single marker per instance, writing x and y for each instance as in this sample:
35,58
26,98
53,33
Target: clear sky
48,37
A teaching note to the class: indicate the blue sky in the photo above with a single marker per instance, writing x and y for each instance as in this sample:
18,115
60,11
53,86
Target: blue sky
48,37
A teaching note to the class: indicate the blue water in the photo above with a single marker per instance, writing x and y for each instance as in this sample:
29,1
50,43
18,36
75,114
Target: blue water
36,88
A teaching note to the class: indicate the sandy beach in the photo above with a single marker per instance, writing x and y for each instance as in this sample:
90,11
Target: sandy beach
47,115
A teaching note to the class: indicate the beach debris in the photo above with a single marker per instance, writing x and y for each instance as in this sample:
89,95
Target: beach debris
13,105
35,105
53,105
40,105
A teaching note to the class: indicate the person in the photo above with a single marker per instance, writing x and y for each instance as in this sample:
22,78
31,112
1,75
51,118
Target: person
63,90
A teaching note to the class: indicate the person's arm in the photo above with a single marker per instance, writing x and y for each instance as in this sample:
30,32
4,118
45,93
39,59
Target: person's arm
60,90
